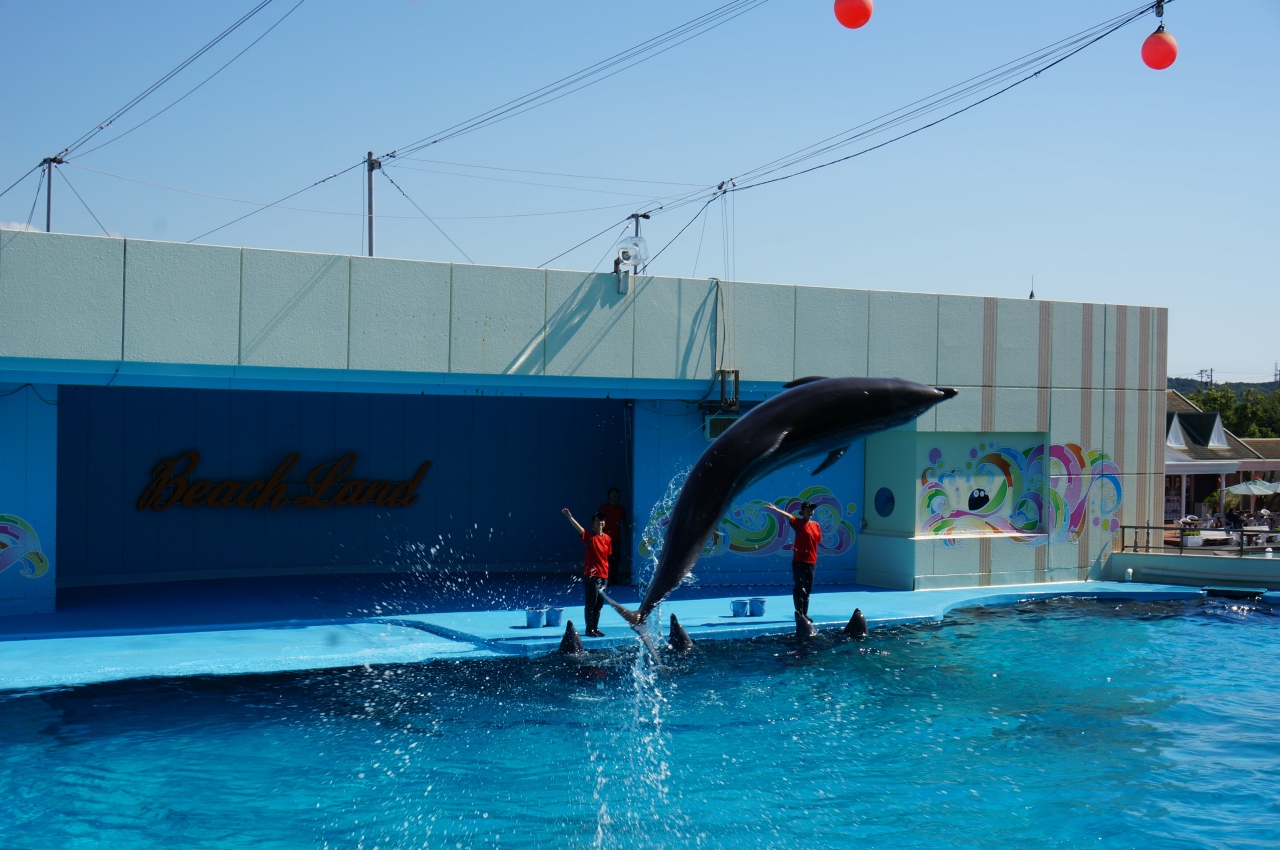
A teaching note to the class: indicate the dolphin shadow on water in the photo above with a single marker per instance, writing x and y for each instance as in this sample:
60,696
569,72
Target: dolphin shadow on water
813,417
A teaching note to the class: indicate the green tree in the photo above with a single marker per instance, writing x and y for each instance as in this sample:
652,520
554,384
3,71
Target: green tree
1252,414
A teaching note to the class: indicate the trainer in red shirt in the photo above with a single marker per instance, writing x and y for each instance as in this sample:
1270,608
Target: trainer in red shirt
599,548
804,554
595,569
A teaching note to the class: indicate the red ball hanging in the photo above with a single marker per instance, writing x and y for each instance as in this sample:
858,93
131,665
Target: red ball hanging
853,13
1159,50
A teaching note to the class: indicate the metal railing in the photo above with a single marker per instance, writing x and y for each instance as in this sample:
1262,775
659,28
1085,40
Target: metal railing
1160,538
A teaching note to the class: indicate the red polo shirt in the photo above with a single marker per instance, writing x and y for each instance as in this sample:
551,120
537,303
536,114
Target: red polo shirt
808,536
596,563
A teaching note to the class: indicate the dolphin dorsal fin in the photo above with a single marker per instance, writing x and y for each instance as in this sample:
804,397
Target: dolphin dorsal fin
831,458
806,380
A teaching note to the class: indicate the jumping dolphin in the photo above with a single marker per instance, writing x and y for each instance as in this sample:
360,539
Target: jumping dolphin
813,417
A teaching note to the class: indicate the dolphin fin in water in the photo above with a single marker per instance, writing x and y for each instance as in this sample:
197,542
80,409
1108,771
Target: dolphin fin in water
831,458
677,638
857,625
570,644
802,381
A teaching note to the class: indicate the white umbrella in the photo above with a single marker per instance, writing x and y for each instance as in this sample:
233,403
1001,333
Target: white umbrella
1251,488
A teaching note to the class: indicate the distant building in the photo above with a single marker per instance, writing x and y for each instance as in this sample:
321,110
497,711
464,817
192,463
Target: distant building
1201,457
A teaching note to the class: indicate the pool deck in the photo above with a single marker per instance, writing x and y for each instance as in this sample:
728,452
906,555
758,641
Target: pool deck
143,631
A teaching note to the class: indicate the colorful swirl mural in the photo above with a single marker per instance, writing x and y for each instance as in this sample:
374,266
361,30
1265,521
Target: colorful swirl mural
1001,490
753,531
19,544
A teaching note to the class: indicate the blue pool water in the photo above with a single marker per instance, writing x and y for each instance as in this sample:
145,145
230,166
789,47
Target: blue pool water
1057,724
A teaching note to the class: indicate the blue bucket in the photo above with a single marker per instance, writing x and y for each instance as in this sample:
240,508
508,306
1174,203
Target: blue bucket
757,606
739,607
533,617
554,616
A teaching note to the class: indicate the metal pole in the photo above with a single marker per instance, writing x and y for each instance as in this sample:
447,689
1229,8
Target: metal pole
49,162
371,166
48,197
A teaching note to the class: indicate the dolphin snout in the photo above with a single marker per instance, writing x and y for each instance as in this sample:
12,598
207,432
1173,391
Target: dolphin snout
947,392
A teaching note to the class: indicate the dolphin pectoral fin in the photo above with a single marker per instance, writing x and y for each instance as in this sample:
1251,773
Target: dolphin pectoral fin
831,458
632,617
802,381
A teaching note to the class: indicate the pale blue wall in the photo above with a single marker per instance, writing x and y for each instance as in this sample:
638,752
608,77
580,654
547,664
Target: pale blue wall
98,311
28,491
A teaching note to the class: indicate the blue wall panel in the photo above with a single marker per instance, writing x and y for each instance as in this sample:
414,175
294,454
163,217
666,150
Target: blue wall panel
501,470
28,476
750,547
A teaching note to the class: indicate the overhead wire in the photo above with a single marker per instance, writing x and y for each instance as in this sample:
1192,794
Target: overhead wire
1019,70
688,224
549,173
424,215
605,256
35,200
82,201
274,203
521,182
198,87
583,242
344,212
119,113
932,101
588,76
20,179
701,239
1031,69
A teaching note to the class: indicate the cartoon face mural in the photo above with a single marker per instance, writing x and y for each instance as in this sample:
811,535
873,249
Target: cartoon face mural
753,531
20,545
995,489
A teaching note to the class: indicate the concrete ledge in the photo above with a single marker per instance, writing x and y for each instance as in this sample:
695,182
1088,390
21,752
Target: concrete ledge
46,661
1195,570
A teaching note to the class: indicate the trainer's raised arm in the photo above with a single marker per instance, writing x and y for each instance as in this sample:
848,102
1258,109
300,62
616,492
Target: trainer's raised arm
572,521
779,511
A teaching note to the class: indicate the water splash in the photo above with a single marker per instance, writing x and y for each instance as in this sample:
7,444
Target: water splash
654,534
633,769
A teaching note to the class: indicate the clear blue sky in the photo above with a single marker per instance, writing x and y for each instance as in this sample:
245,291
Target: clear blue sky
1103,179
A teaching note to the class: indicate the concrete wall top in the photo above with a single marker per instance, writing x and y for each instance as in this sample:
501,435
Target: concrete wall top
84,309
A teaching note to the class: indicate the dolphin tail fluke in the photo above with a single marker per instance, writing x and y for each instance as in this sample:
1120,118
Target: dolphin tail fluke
633,618
636,622
647,639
